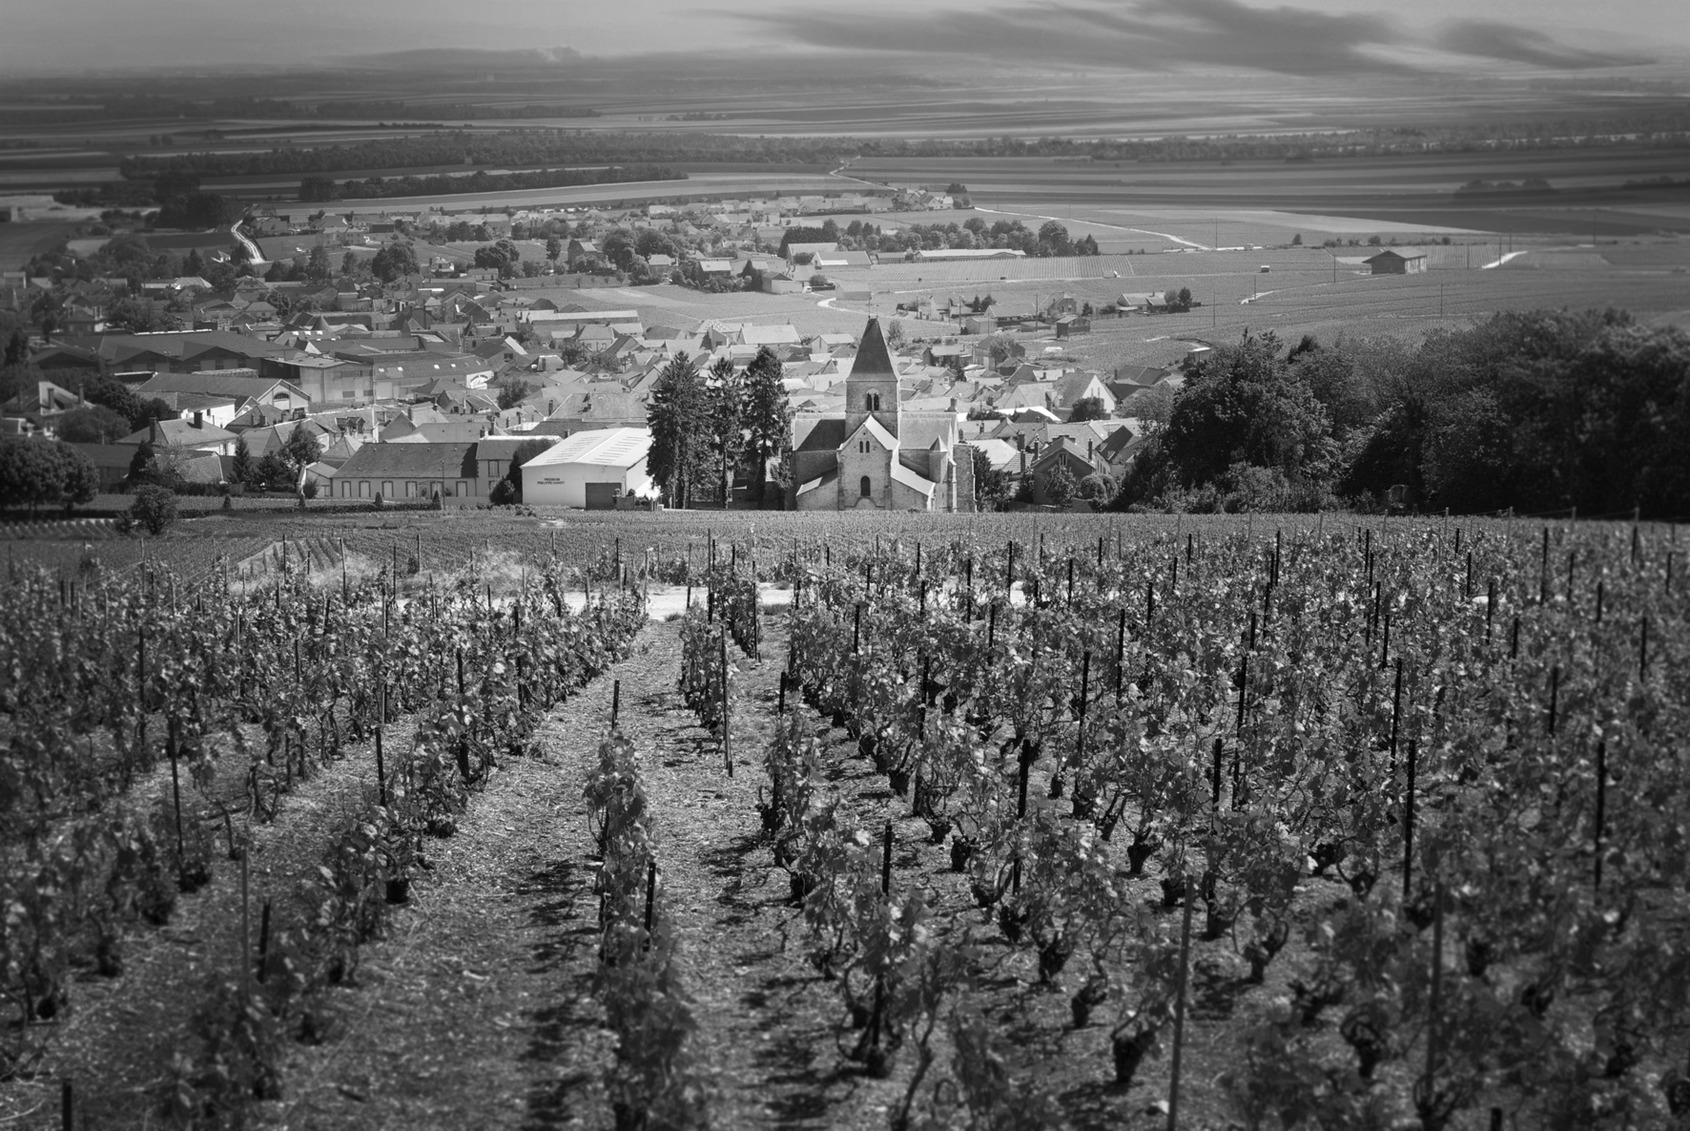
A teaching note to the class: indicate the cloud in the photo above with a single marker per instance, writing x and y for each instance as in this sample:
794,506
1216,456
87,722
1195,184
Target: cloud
1165,35
1491,40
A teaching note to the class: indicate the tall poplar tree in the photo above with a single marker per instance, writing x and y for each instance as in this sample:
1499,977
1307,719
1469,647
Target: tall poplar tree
768,418
675,415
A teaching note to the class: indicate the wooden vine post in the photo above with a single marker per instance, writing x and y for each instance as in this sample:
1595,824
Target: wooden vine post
1179,1005
381,768
727,737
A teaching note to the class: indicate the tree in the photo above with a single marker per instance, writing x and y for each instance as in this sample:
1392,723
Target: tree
554,249
1242,404
350,264
301,449
31,474
674,413
1059,485
154,508
394,262
95,424
895,334
1098,487
192,264
501,256
273,473
991,486
1053,239
317,264
1185,298
1001,347
514,393
139,316
242,467
1297,240
725,410
1088,408
81,480
768,418
17,350
618,247
509,489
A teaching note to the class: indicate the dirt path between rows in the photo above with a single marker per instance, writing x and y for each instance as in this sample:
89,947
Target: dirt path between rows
477,1010
117,1040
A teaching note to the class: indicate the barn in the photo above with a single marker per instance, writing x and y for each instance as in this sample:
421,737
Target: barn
1398,261
589,470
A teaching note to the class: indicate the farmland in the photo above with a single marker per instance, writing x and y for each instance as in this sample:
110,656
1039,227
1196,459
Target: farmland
1053,812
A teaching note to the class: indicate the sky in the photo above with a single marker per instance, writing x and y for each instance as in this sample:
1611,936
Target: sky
1312,37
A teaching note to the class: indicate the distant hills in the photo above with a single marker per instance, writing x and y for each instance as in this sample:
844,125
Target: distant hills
466,58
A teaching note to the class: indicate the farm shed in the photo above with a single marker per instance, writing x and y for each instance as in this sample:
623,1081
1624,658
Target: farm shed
1398,261
589,470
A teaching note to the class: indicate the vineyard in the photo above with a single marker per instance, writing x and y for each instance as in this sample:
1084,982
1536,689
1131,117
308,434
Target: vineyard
1074,822
157,732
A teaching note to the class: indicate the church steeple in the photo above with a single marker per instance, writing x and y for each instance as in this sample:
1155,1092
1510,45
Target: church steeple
872,387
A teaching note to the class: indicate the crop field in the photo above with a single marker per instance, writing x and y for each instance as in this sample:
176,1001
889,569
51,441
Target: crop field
748,183
682,308
1000,820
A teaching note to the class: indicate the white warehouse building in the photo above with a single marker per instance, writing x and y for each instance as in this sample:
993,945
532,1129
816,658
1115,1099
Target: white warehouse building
589,470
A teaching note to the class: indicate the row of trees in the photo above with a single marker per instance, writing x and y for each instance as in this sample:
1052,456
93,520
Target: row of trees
1539,412
1052,238
319,188
708,425
537,147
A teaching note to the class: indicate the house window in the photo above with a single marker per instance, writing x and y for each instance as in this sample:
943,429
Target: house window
864,488
387,488
363,488
410,488
346,490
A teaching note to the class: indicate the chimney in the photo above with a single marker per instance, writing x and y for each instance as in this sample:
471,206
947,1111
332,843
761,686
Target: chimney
199,419
1089,445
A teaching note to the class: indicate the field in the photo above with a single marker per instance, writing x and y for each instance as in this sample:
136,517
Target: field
1059,819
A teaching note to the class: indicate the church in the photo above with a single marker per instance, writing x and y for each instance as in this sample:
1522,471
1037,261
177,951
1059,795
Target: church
877,456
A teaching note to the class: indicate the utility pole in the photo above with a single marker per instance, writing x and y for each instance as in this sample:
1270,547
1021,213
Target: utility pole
1440,300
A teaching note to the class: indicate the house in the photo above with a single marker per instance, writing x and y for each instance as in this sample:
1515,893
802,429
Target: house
1070,324
410,471
1398,261
111,462
590,470
939,255
243,386
1072,388
583,254
1058,453
47,399
876,455
195,434
810,250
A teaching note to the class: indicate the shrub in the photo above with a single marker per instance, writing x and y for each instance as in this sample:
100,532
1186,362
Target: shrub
309,490
154,508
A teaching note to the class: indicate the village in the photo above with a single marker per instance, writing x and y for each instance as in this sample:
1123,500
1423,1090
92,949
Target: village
405,355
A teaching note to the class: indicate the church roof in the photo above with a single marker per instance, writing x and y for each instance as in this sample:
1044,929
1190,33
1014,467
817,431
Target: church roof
878,430
826,434
821,481
912,479
873,358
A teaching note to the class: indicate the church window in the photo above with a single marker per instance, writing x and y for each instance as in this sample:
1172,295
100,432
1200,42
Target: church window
865,488
873,402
